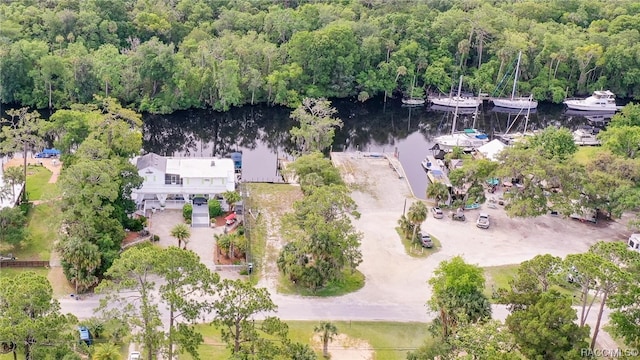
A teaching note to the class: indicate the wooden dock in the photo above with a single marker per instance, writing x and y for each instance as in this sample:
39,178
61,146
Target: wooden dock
436,173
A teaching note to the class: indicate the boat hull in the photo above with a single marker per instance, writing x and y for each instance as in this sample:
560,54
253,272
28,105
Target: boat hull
456,102
413,102
582,106
523,103
464,141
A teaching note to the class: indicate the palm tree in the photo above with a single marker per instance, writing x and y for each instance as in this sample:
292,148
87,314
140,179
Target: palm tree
416,215
438,191
83,257
106,351
182,233
231,197
14,176
327,331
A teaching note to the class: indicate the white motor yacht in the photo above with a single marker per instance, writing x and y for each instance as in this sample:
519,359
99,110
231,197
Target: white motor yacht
601,100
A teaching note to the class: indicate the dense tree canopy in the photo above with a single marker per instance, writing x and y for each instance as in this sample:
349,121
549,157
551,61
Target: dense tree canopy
163,55
30,319
457,296
96,184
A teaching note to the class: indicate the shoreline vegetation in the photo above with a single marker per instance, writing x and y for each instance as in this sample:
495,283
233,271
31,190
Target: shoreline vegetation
160,57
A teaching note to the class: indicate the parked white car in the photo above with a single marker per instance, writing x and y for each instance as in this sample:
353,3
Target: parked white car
135,355
483,221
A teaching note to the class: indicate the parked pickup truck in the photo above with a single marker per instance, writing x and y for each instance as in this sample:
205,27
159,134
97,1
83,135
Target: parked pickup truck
8,257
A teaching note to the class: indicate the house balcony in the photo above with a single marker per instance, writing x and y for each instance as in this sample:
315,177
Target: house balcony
185,189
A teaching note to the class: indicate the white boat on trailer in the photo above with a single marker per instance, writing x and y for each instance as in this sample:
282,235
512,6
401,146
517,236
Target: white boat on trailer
586,136
601,100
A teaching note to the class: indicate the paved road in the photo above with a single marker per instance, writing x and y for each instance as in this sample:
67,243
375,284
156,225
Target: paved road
338,309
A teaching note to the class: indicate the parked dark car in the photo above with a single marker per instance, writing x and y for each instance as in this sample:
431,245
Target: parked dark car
199,201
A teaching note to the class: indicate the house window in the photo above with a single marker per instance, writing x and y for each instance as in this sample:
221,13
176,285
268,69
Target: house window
172,179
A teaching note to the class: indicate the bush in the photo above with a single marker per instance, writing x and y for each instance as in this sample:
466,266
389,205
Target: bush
134,224
155,238
215,209
187,210
25,207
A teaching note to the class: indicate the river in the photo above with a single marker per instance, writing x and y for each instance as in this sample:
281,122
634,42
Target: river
262,133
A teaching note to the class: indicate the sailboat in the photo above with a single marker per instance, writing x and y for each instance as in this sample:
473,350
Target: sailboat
413,101
516,102
458,101
511,138
468,140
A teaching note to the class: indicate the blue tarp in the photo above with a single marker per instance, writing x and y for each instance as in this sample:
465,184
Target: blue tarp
51,151
493,181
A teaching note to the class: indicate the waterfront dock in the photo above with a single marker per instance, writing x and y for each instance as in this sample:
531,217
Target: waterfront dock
436,172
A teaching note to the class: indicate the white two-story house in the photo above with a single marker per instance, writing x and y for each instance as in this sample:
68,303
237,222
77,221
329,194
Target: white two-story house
180,178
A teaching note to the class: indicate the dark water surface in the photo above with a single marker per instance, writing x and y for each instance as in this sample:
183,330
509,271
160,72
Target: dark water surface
262,133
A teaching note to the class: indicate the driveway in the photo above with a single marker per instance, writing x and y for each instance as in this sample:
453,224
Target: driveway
202,240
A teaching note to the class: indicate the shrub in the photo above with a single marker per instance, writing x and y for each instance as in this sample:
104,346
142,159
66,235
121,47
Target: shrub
155,238
25,207
215,209
134,224
187,210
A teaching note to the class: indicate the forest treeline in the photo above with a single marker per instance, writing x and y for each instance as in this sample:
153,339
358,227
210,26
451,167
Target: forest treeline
163,55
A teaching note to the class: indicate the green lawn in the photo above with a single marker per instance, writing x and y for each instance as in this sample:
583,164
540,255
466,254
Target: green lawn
388,340
41,233
38,187
414,250
61,287
350,283
10,272
498,277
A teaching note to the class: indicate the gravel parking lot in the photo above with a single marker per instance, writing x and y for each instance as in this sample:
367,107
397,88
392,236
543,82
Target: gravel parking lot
393,275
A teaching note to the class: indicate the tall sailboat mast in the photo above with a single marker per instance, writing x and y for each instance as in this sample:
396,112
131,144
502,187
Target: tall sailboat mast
455,113
515,76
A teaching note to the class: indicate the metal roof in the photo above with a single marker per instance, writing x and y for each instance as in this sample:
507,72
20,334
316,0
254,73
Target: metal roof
152,160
